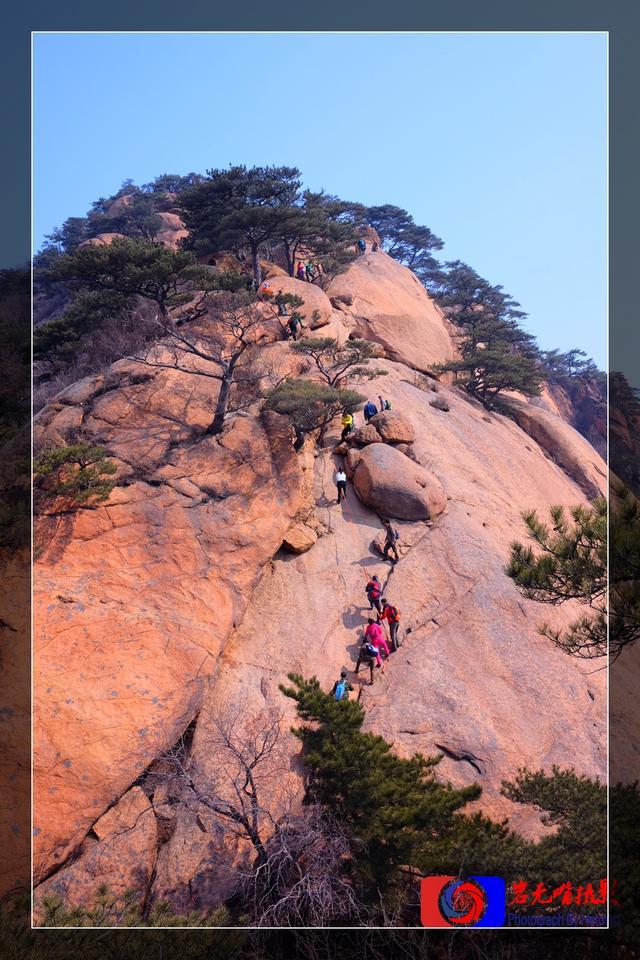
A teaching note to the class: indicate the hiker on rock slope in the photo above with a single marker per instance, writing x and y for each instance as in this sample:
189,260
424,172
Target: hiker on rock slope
341,688
341,484
374,591
370,655
392,615
347,425
294,324
391,541
374,635
370,410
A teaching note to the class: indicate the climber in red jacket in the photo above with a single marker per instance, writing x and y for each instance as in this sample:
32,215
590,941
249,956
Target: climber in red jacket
374,591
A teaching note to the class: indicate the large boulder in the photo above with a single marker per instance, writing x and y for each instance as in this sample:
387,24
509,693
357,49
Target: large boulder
351,461
316,310
393,427
299,538
390,306
224,261
364,435
270,270
393,485
172,231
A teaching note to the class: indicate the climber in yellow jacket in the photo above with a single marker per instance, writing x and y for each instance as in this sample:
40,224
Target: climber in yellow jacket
347,425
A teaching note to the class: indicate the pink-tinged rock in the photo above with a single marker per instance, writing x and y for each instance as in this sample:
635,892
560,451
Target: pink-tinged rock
270,270
393,427
473,674
364,435
122,857
392,307
564,445
299,539
119,205
390,483
351,461
134,599
172,230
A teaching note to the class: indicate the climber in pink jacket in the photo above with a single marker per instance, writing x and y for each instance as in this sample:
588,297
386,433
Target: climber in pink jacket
373,634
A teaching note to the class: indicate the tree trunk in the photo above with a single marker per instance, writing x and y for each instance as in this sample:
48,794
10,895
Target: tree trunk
290,258
217,424
257,270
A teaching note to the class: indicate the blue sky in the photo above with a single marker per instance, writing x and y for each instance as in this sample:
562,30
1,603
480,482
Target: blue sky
497,142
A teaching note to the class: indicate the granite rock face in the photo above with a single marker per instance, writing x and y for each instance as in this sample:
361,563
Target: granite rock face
174,599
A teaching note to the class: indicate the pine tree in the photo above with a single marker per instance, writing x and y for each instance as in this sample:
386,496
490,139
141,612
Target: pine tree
173,182
318,225
468,299
572,563
389,804
561,368
241,207
495,355
576,806
336,364
165,277
67,237
58,341
310,405
224,347
139,219
78,472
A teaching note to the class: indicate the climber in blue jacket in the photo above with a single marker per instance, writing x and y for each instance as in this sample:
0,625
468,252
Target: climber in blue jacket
369,411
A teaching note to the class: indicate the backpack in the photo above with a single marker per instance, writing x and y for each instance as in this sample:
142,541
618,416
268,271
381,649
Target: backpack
341,690
394,614
387,405
370,650
374,589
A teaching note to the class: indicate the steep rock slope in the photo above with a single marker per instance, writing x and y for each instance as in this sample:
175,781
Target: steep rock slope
472,679
134,599
172,599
